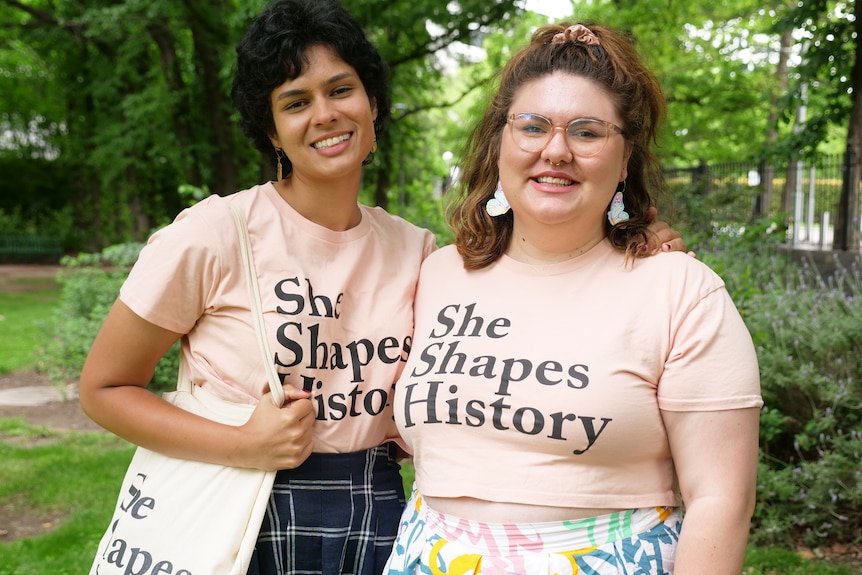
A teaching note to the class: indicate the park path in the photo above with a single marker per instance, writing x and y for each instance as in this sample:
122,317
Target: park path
27,393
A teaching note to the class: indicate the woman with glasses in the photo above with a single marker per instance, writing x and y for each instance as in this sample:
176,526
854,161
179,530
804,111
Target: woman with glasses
573,406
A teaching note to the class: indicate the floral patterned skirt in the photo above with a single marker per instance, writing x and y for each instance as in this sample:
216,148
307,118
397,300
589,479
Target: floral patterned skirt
634,542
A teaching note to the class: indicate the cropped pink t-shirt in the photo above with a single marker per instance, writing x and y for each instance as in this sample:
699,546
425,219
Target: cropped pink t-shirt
544,384
337,306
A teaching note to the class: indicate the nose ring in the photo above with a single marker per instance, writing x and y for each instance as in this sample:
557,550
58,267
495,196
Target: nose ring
555,164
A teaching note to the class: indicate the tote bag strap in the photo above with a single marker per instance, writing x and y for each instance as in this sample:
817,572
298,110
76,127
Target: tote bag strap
256,308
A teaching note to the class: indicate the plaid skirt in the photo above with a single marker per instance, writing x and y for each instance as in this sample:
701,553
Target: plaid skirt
631,542
336,514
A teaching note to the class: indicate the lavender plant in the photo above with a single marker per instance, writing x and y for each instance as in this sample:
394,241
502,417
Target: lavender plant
808,333
807,329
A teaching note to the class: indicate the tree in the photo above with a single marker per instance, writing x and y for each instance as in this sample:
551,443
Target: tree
709,59
832,66
410,35
138,91
126,100
847,233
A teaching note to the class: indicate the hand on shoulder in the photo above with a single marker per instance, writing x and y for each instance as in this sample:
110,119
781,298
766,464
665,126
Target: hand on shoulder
663,237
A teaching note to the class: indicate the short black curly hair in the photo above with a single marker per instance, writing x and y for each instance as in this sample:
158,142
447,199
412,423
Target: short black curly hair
273,51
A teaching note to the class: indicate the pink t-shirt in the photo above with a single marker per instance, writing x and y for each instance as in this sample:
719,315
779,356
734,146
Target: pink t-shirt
544,384
337,306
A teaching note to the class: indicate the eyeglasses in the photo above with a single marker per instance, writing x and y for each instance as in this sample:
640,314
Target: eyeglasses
585,137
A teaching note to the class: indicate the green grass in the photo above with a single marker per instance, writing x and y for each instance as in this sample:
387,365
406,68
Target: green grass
22,319
71,478
773,561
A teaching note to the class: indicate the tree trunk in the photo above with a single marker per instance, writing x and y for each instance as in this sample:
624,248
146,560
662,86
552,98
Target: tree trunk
208,34
181,113
847,236
767,172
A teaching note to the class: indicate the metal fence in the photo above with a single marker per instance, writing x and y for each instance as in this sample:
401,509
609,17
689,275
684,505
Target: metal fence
808,192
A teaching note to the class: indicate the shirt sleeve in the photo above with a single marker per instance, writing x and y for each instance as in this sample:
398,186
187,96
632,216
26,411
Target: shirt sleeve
171,283
712,364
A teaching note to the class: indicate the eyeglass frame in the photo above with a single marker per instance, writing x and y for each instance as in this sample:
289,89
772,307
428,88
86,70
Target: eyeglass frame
510,120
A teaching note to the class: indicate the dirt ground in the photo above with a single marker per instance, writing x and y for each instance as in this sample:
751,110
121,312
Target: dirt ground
61,415
21,278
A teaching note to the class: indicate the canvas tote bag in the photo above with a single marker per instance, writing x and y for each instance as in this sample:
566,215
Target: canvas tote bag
182,517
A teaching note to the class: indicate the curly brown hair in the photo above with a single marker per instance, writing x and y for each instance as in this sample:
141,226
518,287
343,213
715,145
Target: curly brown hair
637,95
275,49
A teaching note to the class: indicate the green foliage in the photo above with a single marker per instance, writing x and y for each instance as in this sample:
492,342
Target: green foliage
745,256
807,330
408,476
129,99
426,211
124,100
824,78
90,284
190,195
57,224
712,59
808,333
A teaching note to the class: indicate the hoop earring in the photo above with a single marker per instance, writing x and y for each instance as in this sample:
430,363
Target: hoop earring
617,213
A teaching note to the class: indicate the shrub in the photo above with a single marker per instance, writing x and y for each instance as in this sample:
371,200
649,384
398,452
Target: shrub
808,333
807,330
89,284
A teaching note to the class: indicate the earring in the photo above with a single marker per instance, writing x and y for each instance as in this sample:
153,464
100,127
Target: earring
498,205
370,157
278,174
617,213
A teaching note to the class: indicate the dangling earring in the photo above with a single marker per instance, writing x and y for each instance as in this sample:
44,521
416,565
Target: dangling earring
498,205
370,157
278,174
617,213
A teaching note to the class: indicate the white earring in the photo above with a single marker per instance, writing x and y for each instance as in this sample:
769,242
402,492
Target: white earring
617,213
498,205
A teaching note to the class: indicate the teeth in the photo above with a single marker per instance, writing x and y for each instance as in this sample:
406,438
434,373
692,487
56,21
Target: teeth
555,181
330,142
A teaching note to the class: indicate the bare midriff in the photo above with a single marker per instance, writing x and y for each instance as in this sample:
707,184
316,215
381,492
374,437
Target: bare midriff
500,512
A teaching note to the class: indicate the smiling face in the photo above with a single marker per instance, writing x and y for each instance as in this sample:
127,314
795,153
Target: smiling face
323,119
553,187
